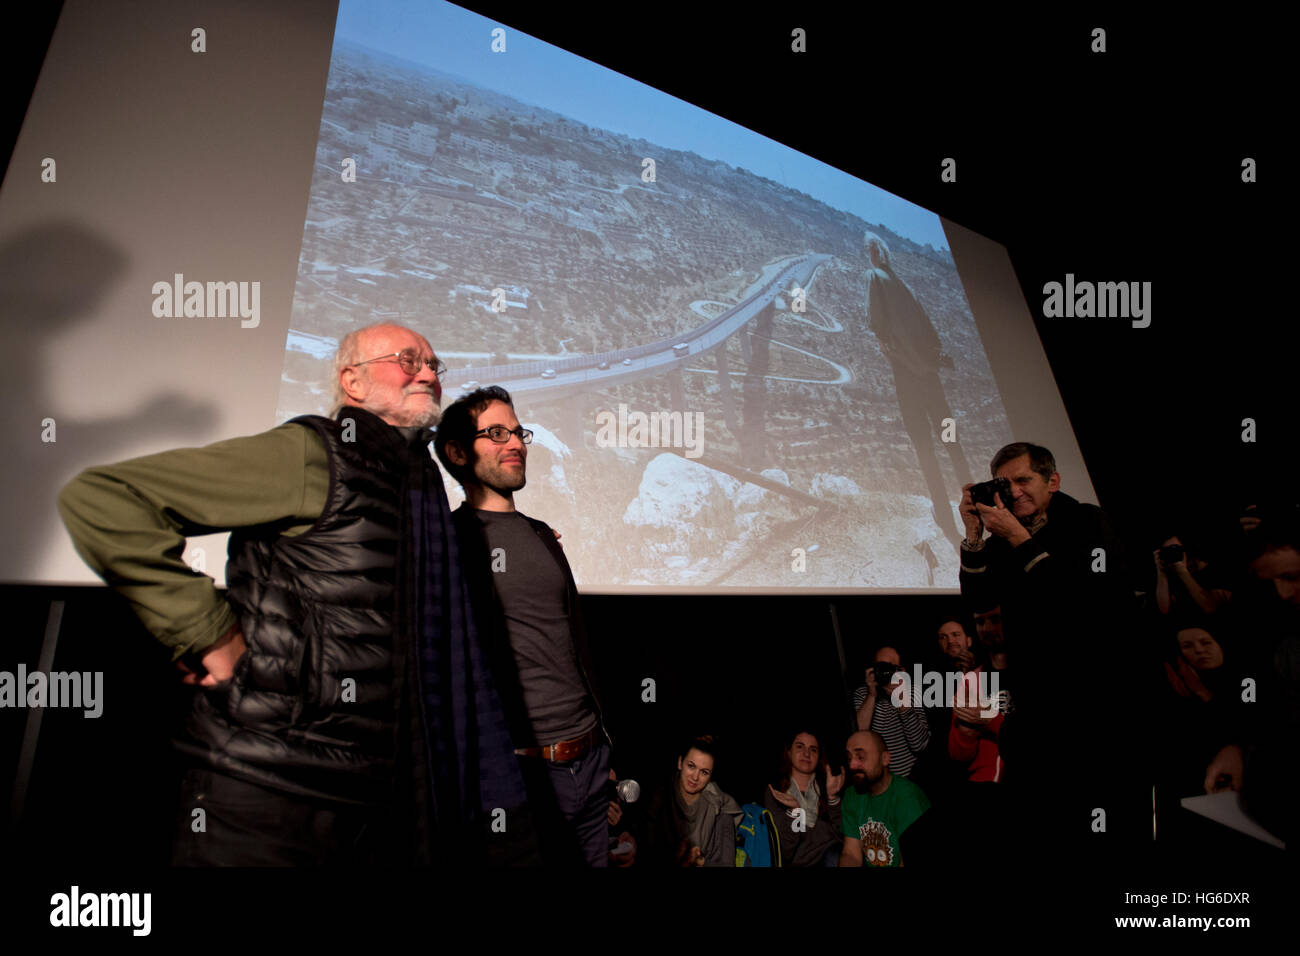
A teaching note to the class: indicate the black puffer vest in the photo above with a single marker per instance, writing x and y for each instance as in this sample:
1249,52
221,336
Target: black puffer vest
311,709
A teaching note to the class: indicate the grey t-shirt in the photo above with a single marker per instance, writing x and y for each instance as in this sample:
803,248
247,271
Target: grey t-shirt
531,588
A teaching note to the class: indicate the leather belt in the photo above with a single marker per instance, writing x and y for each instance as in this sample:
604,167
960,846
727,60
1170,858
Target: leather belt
563,751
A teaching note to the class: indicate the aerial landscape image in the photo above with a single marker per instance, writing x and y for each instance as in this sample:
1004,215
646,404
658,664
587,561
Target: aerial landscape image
714,379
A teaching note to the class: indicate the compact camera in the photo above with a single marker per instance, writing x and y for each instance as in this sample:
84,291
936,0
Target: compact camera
1171,553
982,493
885,672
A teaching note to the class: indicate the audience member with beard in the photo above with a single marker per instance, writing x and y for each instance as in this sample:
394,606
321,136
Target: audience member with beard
879,807
691,822
992,652
810,838
955,654
969,796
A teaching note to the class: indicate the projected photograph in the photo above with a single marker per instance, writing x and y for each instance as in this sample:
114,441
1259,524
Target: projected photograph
744,369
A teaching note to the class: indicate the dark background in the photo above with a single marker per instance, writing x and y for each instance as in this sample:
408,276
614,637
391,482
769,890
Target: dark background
1122,166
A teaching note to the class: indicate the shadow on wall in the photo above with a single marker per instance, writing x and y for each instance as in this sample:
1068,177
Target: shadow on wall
52,277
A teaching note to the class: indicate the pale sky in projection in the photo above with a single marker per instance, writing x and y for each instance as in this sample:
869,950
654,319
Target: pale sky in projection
456,41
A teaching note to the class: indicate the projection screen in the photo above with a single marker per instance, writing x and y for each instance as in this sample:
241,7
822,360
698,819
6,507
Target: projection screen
746,371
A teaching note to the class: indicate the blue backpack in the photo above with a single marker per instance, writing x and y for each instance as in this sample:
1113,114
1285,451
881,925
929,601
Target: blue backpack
756,840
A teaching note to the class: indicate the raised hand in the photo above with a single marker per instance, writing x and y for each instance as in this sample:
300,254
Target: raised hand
783,798
834,783
1186,682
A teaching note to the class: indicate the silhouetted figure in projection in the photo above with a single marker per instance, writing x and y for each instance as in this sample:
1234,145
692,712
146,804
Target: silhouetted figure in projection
911,344
753,447
343,713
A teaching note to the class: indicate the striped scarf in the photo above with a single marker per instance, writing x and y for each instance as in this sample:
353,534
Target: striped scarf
464,765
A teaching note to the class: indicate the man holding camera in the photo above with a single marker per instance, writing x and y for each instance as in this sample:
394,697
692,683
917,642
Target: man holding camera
1045,551
902,725
1182,583
1057,569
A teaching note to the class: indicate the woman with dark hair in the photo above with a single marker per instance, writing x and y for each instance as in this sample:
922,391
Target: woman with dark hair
691,822
805,802
1196,669
1203,709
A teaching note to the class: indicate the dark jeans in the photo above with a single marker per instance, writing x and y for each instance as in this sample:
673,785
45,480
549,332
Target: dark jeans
247,825
570,802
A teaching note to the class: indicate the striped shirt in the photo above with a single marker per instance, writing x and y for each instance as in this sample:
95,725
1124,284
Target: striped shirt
906,732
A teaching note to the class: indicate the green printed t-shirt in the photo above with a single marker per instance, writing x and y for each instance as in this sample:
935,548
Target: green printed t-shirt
878,821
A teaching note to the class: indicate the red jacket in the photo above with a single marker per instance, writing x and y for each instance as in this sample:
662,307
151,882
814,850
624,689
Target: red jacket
978,749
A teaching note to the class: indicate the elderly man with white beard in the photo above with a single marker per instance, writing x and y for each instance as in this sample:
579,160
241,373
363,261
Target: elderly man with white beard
323,729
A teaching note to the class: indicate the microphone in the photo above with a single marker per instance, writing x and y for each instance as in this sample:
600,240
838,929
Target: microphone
629,791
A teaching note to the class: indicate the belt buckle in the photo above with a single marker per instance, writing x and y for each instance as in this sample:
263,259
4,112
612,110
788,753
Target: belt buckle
564,751
567,751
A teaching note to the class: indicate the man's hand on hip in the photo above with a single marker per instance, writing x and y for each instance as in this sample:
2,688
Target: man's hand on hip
218,661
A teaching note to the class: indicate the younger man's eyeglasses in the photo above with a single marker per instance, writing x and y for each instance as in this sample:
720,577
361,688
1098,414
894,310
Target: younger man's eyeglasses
500,434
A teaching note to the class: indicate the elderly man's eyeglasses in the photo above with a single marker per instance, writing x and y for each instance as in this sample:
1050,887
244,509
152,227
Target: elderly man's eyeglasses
500,434
411,362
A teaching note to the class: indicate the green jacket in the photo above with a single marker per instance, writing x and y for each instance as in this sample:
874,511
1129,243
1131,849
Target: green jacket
129,521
